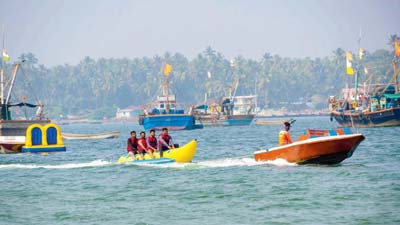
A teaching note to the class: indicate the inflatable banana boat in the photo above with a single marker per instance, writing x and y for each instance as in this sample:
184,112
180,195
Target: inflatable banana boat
182,154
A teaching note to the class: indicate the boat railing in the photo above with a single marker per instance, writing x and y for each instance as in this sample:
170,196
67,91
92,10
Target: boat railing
311,133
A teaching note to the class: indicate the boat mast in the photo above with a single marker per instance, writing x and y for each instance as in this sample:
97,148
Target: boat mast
17,65
2,72
357,70
255,94
166,89
395,75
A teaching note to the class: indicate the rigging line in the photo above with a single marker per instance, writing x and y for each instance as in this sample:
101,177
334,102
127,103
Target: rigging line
31,86
351,119
25,113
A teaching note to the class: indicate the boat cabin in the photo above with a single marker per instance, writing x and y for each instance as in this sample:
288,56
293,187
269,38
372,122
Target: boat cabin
244,105
166,105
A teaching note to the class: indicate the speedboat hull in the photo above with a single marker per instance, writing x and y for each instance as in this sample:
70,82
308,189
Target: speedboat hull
319,150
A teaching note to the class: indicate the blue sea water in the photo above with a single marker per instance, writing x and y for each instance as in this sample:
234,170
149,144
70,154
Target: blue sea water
223,184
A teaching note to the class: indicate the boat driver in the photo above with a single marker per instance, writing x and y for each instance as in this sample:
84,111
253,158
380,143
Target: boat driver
284,135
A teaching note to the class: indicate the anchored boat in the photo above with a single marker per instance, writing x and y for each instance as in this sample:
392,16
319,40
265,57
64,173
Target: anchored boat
104,135
25,135
166,114
273,122
315,147
232,111
359,107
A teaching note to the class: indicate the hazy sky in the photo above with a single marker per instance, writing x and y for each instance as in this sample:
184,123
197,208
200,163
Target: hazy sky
59,32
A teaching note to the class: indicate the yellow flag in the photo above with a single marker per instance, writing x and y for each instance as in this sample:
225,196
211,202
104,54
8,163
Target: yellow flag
167,69
396,47
361,53
349,58
6,57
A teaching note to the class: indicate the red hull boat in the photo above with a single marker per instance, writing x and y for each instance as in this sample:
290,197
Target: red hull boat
315,147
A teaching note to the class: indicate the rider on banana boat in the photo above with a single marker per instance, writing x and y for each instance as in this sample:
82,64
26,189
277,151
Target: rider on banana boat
151,141
164,141
142,145
132,144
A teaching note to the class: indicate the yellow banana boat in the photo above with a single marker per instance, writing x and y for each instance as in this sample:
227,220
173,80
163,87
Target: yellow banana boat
182,154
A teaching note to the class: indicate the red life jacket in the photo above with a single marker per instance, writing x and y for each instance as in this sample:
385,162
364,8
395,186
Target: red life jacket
166,138
143,142
152,141
133,141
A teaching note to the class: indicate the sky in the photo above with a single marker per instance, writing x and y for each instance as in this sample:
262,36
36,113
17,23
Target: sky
61,32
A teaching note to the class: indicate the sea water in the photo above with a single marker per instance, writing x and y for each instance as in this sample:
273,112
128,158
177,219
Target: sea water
223,184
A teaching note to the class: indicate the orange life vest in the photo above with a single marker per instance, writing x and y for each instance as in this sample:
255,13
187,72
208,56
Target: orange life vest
284,138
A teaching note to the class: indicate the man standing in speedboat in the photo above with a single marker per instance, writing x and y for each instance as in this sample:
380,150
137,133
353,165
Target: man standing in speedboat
164,141
284,135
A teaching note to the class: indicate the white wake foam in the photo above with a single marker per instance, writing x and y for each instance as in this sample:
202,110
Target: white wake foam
219,163
95,163
229,162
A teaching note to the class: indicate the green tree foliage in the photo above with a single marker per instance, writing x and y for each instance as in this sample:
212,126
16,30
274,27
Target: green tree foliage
102,85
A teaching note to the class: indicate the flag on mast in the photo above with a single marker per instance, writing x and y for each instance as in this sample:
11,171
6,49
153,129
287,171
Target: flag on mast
361,53
6,57
349,58
167,69
365,70
396,47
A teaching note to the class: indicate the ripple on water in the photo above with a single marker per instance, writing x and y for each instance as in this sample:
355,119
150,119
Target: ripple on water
223,185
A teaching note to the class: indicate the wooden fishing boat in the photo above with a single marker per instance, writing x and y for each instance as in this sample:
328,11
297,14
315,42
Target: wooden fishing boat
105,135
375,105
315,147
182,154
14,132
232,110
272,122
166,112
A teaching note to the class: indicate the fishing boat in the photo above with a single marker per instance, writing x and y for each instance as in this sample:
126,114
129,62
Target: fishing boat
360,107
36,134
166,113
231,111
273,122
382,109
182,154
103,135
315,147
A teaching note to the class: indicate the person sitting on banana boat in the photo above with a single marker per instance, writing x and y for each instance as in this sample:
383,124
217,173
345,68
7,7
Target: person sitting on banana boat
164,141
284,135
142,146
132,144
151,141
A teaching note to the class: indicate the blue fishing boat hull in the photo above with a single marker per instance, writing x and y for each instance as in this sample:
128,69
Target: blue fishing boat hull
381,118
172,122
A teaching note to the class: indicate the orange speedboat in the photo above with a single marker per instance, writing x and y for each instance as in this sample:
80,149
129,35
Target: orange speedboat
315,147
